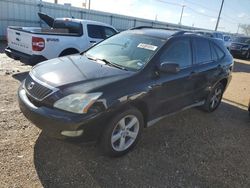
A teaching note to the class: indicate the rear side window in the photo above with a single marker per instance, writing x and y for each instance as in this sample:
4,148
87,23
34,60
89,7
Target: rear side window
219,36
95,31
217,53
179,51
214,53
202,49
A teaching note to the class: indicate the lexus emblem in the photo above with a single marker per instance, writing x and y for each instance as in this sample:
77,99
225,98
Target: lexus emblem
31,85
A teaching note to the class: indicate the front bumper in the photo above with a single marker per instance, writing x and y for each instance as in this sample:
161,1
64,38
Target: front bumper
53,121
25,58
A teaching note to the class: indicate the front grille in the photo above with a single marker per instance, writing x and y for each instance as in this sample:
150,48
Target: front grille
36,90
236,47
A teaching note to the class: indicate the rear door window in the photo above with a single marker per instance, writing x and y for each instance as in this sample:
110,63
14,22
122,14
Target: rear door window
95,31
100,32
108,32
179,51
202,49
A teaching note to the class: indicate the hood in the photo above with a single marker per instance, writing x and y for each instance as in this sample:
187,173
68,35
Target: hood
76,70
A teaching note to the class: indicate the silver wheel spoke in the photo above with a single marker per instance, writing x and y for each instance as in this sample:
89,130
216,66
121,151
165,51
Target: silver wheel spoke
125,133
122,123
132,134
217,92
216,100
212,105
131,123
122,143
116,137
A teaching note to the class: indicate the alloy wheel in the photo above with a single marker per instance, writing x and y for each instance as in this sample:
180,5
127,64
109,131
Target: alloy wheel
125,133
215,99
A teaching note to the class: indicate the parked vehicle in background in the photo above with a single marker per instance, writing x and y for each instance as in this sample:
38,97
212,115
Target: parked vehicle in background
64,37
125,83
212,34
240,47
227,41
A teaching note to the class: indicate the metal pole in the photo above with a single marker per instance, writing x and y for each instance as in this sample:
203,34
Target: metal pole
89,4
238,28
40,10
218,19
182,9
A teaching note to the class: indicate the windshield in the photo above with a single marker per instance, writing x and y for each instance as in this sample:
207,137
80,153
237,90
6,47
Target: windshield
129,50
242,40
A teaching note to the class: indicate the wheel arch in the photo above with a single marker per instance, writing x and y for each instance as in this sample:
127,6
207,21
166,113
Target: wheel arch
69,51
224,82
143,108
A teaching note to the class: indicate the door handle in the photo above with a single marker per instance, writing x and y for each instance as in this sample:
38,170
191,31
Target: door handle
92,41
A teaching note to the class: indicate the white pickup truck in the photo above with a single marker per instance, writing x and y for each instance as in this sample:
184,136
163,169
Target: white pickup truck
64,37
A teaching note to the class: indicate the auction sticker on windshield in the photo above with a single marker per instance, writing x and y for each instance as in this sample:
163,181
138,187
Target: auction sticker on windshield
147,46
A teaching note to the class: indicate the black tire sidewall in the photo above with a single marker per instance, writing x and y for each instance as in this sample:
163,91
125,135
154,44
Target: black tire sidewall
105,142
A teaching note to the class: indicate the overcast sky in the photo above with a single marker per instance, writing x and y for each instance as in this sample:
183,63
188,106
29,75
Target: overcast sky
202,13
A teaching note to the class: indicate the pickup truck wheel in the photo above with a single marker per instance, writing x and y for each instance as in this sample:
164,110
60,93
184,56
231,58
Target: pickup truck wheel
122,133
214,98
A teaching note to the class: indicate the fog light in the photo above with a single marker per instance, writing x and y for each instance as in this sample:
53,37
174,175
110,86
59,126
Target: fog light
72,133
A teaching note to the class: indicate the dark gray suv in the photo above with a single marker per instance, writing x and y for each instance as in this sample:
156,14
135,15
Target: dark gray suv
124,84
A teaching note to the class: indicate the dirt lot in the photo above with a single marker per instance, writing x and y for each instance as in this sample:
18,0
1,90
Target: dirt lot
190,149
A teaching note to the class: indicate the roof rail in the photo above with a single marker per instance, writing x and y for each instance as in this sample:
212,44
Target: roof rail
184,32
179,31
151,27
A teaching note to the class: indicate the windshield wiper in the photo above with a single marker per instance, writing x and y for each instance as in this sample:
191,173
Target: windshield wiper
112,64
90,57
106,62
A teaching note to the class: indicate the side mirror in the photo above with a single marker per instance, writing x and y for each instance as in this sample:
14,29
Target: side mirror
169,67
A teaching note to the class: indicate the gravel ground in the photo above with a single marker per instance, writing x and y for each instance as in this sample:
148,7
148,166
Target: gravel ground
189,149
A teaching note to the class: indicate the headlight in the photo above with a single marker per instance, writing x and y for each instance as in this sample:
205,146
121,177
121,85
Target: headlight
77,103
244,48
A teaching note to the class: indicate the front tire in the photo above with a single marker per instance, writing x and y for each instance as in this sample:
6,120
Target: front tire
122,133
247,55
214,98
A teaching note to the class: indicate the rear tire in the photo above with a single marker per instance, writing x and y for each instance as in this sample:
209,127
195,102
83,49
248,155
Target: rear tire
214,98
122,133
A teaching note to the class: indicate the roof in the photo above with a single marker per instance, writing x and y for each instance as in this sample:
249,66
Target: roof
165,33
